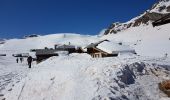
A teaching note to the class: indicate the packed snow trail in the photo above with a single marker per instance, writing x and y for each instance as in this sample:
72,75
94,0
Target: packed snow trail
11,73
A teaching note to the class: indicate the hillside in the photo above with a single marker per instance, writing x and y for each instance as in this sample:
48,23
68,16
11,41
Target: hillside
24,45
79,76
146,40
158,10
141,35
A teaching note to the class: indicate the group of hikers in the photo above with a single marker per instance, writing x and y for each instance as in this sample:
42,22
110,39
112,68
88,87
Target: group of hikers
29,60
21,60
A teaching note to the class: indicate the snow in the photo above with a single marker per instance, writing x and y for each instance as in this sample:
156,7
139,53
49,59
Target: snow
80,77
11,73
161,4
112,47
61,83
24,45
146,40
101,33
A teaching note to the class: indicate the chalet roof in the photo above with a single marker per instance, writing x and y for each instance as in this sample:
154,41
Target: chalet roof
21,55
92,45
112,47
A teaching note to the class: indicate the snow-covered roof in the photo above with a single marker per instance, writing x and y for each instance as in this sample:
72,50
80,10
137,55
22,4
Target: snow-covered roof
95,44
112,47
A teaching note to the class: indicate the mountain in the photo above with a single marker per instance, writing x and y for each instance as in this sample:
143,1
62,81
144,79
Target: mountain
158,10
24,45
140,34
2,41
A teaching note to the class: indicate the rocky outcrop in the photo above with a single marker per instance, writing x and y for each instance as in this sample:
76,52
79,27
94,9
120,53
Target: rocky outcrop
148,17
116,27
2,41
165,87
30,36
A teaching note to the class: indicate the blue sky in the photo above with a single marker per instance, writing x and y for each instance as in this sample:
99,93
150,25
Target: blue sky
22,17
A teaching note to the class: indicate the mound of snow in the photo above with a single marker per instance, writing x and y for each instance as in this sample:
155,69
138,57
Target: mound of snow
80,77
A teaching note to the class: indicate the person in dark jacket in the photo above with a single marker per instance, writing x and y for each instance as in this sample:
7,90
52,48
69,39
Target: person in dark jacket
17,60
21,59
29,60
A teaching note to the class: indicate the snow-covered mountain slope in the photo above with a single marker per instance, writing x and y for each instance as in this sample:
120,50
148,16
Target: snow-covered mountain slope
24,45
146,40
141,35
158,10
80,77
11,72
163,6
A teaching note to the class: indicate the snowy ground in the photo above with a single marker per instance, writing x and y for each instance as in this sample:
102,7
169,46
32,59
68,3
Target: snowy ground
11,73
74,78
80,77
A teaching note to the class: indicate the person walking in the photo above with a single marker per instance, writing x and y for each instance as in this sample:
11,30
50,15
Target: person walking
21,59
166,55
29,60
17,60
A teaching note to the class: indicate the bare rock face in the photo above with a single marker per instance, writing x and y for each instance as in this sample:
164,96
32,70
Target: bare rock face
148,16
115,28
2,41
30,36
